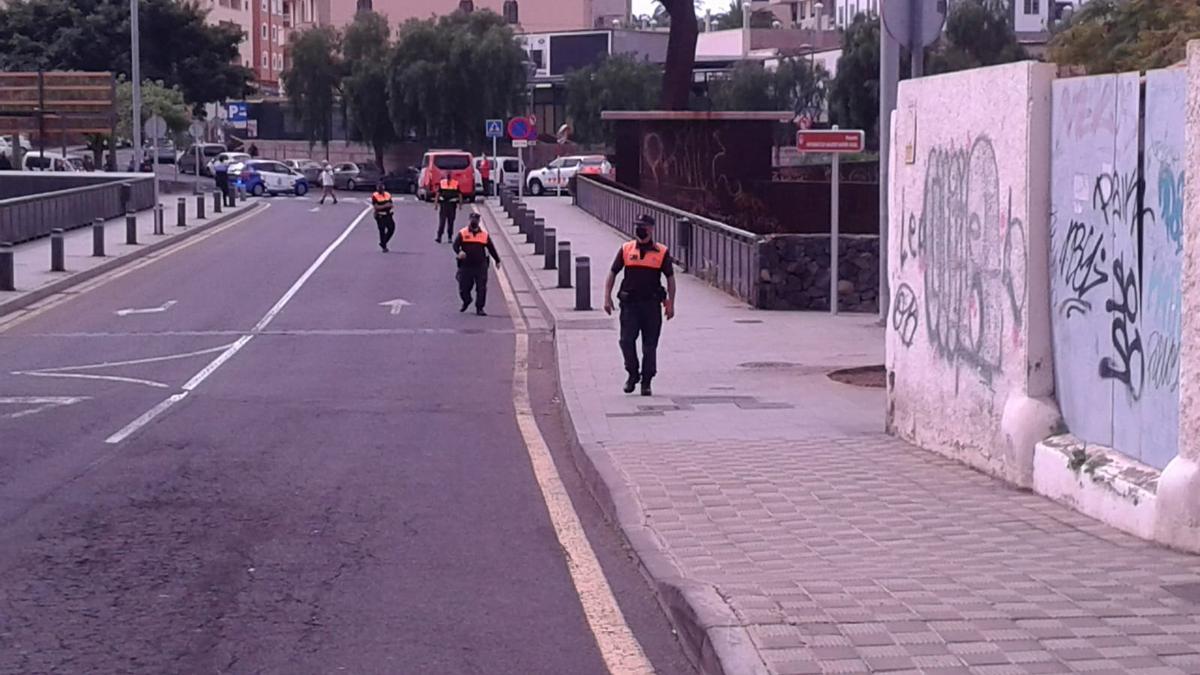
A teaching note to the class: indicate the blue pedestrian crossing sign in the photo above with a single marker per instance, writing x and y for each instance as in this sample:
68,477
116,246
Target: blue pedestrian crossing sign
495,128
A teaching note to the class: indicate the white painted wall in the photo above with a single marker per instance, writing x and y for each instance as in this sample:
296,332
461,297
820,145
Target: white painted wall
968,344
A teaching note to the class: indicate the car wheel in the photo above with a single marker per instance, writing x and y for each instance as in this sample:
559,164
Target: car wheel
351,185
535,188
258,190
301,189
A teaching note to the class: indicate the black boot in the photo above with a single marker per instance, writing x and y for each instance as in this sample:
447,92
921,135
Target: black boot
646,388
631,383
465,305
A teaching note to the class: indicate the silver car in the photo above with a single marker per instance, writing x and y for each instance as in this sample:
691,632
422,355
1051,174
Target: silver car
309,167
352,176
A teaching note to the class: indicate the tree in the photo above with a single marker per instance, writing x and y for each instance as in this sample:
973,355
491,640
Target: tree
157,99
448,75
976,35
796,85
732,18
854,94
618,83
681,54
1107,36
365,49
178,47
313,80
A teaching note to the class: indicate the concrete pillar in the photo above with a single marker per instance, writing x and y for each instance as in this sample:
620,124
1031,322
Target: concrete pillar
1177,522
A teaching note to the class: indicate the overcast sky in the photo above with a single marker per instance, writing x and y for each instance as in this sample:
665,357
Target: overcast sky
647,6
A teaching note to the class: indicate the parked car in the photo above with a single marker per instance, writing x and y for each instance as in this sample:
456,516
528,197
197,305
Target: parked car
47,161
354,176
6,145
596,166
267,176
559,173
187,160
437,164
166,150
402,182
226,158
309,167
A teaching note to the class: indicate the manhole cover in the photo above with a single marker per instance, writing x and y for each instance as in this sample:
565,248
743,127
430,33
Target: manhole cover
865,376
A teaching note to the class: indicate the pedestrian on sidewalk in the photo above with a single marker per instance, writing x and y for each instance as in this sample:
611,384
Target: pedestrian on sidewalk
472,246
327,183
253,151
381,201
446,202
221,179
643,301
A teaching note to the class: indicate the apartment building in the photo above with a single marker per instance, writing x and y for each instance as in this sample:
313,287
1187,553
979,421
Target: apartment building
266,25
533,16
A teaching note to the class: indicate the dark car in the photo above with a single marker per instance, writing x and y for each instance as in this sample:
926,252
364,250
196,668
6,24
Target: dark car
403,181
352,176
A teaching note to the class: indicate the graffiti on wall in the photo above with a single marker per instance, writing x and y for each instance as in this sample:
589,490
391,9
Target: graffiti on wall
969,253
1116,238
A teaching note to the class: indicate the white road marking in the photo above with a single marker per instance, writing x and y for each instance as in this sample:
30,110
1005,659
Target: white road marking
618,646
149,310
234,348
314,209
395,305
38,403
84,376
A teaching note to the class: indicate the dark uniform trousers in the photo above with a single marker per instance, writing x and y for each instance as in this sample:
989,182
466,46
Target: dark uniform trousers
642,317
447,211
387,228
225,187
473,276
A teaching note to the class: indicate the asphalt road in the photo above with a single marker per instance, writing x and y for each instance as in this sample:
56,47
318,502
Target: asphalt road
335,487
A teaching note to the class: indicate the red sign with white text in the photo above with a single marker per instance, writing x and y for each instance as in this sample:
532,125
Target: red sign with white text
830,140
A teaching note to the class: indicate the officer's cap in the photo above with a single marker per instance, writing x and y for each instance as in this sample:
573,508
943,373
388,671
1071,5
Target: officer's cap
645,220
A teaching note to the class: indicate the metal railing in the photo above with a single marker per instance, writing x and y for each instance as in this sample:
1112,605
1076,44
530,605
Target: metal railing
36,215
724,256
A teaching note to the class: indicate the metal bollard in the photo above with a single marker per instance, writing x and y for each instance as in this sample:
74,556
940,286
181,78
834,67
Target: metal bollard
548,247
181,213
217,202
519,219
200,207
531,233
583,283
539,230
131,229
98,238
564,264
57,252
126,195
7,274
159,219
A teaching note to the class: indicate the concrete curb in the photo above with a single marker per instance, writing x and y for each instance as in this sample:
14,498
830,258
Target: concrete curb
76,278
710,632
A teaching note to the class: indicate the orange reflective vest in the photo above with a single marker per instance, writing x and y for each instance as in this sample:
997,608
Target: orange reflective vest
469,237
448,184
653,259
382,197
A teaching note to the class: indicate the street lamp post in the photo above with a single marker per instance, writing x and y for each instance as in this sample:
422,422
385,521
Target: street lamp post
746,29
820,7
136,74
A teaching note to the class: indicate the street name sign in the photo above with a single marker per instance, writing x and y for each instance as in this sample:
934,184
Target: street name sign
830,140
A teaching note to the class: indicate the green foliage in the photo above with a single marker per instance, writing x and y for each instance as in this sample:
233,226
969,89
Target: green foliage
448,75
795,85
854,94
1108,36
157,99
313,80
976,35
177,47
732,18
619,83
365,49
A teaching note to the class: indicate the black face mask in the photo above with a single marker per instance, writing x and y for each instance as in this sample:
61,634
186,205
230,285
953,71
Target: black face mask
641,233
473,226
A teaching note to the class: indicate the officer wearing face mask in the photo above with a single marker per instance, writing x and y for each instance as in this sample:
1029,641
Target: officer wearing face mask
472,246
643,301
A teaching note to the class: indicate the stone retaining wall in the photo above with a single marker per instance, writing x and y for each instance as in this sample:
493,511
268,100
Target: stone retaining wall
794,272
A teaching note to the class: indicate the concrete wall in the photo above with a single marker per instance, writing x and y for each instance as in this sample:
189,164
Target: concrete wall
968,344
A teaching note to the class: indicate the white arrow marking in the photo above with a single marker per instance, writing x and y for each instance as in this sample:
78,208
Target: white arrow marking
149,310
37,403
314,209
396,305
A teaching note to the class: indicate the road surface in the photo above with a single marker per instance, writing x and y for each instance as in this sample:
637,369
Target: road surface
280,450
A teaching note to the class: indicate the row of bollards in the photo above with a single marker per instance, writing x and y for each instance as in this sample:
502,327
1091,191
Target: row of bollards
556,254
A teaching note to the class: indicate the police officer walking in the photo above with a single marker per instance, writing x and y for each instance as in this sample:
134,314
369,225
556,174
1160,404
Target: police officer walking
381,201
446,203
643,301
221,178
472,246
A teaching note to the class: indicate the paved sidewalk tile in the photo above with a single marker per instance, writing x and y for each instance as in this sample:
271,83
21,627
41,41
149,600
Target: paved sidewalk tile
841,549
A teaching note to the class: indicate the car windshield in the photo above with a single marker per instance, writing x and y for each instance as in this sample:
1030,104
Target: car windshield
452,162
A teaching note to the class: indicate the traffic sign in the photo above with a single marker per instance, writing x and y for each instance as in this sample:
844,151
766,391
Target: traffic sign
830,140
520,143
155,127
521,128
238,114
196,129
914,20
494,128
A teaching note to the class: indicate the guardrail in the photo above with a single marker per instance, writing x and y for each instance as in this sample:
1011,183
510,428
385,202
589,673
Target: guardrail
36,215
724,256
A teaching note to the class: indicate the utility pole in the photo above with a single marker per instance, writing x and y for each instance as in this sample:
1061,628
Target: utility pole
889,76
136,70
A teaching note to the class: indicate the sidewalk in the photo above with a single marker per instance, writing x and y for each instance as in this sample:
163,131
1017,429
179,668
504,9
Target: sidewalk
786,533
34,280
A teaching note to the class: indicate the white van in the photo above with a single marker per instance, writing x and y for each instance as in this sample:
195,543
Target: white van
49,161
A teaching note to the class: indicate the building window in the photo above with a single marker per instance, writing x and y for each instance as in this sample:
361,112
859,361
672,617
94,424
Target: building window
264,60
